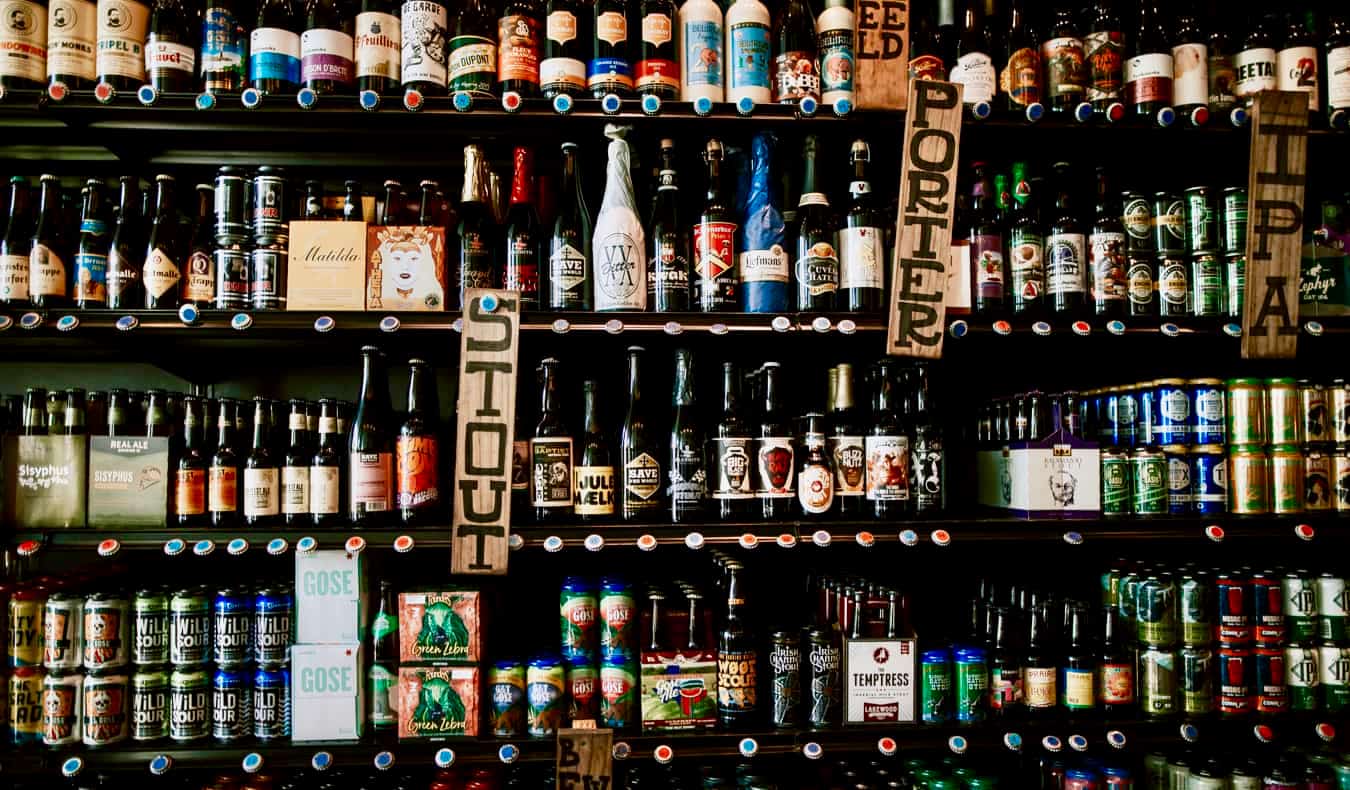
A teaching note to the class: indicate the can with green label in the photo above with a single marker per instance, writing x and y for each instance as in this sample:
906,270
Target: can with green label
1286,478
1155,611
935,689
1334,670
1299,590
1233,232
1157,681
1196,608
971,681
1207,290
1246,411
1148,470
618,694
1248,480
1115,482
1197,680
1331,608
1235,282
1286,418
1303,677
618,620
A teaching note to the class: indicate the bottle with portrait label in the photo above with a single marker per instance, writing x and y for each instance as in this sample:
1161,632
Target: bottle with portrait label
121,34
701,50
835,28
775,449
1107,264
72,29
23,40
1065,62
815,482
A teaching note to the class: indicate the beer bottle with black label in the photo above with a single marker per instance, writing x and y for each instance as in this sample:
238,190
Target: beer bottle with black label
730,453
326,476
378,46
370,448
162,271
327,50
1026,248
846,444
611,66
988,262
171,49
262,477
551,452
418,457
1190,67
714,244
929,457
794,54
472,66
775,450
737,658
1065,62
295,508
519,31
593,499
199,286
222,481
91,255
393,205
124,258
1108,264
563,69
189,489
641,470
668,277
569,287
817,264
1148,71
1104,48
16,245
1065,250
48,274
477,230
688,471
523,234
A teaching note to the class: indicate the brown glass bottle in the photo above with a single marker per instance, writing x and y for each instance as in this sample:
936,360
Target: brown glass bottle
326,470
222,493
370,448
417,456
48,273
162,271
551,458
594,473
731,453
190,477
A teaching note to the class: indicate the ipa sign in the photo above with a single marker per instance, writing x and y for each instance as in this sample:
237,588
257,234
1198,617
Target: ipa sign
923,228
881,49
489,346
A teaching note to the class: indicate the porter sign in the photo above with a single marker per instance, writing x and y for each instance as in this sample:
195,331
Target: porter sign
487,410
923,229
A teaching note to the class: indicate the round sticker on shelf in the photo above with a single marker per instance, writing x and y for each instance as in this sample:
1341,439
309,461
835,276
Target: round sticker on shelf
251,762
109,547
306,98
812,750
651,104
561,326
1116,738
321,761
1073,538
748,541
390,323
781,323
745,105
30,321
127,323
614,326
748,747
160,764
1035,111
1078,743
1013,741
188,314
820,323
384,761
1170,329
981,110
611,103
842,107
1041,328
1115,327
104,92
865,539
694,540
324,323
1305,532
175,546
1003,327
444,758
621,750
958,328
204,101
787,540
1214,532
718,328
462,101
887,746
29,548
593,542
355,544
241,321
508,753
1313,328
203,547
1082,328
5,322
1051,743
66,323
404,543
820,537
511,101
458,325
277,546
847,326
56,91
957,744
941,537
553,544
146,95
663,754
72,766
306,544
1263,733
1232,330
1326,731
562,104
808,106
702,105
646,542
1189,733
909,537
514,542
672,328
369,100
250,98
236,546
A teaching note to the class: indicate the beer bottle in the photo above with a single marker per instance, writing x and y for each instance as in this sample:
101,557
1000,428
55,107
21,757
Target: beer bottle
370,448
688,469
925,53
794,54
817,264
563,70
737,658
974,68
1066,71
170,50
1337,69
655,622
325,469
199,283
815,484
274,48
418,449
748,52
1115,684
1020,80
1190,68
326,47
1079,695
1296,62
518,45
71,43
56,413
73,420
593,500
16,246
1255,62
119,413
887,448
730,453
835,28
262,495
988,263
223,47
764,263
715,241
1148,71
124,258
121,31
619,246
190,478
846,444
353,208
668,278
295,508
551,452
1005,669
1221,70
1026,248
701,55
476,230
48,284
35,411
775,451
928,455
523,234
472,66
642,477
569,257
1039,666
424,40
378,47
383,673
611,66
1104,48
91,256
658,68
163,253
1107,261
1066,252
394,205
222,487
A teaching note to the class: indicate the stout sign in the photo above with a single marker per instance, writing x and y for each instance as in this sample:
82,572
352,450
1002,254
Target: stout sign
923,229
881,52
1278,173
585,759
487,411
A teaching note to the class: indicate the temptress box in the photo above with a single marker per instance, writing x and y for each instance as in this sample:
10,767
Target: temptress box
327,692
330,597
327,269
440,626
679,691
879,680
437,702
45,481
1056,477
129,481
406,268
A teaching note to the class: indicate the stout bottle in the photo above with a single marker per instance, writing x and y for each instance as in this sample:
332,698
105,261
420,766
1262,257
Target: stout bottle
274,48
326,47
887,448
295,507
563,69
476,230
523,234
325,470
472,65
688,469
1148,72
370,448
990,269
927,454
715,242
794,62
570,246
862,252
730,453
124,258
775,451
641,471
737,658
518,48
1065,251
418,449
23,39
222,492
593,498
15,246
162,272
378,46
1106,253
48,275
551,452
817,264
262,483
668,278
847,454
171,50
611,67
658,68
91,256
765,273
189,486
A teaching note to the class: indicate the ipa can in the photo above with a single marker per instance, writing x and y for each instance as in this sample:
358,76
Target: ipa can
1301,607
1286,423
1331,608
1303,677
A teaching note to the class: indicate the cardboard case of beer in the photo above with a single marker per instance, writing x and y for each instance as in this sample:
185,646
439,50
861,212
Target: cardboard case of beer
327,267
879,680
405,268
328,698
440,627
1055,477
129,481
330,597
679,690
437,702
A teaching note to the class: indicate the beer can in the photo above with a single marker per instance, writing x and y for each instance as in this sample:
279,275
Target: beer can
232,263
231,206
107,632
232,628
189,704
1338,398
618,621
1155,612
1157,680
150,628
1196,609
1122,414
1174,285
25,628
508,698
25,705
1207,291
1235,282
267,277
1235,610
583,692
1286,479
189,627
1340,474
1197,680
1179,494
824,689
104,716
1248,480
1317,481
971,681
578,613
62,700
1235,680
1312,406
1148,412
1202,219
63,633
1148,473
1301,608
1129,589
1115,482
1169,222
231,705
1209,480
270,203
544,696
1137,217
271,704
1303,677
1211,776
785,672
618,693
1268,621
1115,778
1334,668
1233,233
1245,777
1286,423
1175,419
1246,411
935,690
1272,695
273,613
1210,425
1331,608
1155,771
149,705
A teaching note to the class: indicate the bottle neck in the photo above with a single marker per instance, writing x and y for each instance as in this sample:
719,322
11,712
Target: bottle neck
684,387
590,416
549,400
735,601
192,426
224,425
770,392
522,183
49,207
261,426
731,389
420,398
373,393
329,436
810,196
475,188
164,201
655,620
843,390
634,378
695,602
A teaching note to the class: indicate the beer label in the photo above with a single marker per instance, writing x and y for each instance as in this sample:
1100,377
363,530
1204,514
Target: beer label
91,278
222,494
1140,276
669,270
23,41
658,75
688,478
1255,72
561,26
562,75
765,266
520,465
887,467
714,250
1103,50
72,30
609,73
518,48
749,56
261,494
732,475
1222,79
199,285
47,272
929,462
326,55
986,254
1066,255
862,261
815,489
737,680
703,53
372,481
975,70
823,661
850,477
222,48
122,26
1079,689
642,479
1296,70
594,491
567,270
1021,77
325,489
836,60
552,471
1148,78
1005,688
795,77
423,39
818,270
161,56
776,466
620,267
1137,217
522,264
785,666
295,489
1026,265
1190,74
473,64
378,45
611,27
475,260
1338,77
13,277
1174,283
417,466
1066,71
383,697
274,54
159,273
1117,684
1108,267
656,29
927,67
1040,686
189,492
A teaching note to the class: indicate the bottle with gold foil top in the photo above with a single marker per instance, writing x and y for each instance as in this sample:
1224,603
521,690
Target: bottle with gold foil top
593,478
162,273
658,69
845,444
418,449
190,477
91,256
519,46
199,277
619,246
611,65
476,231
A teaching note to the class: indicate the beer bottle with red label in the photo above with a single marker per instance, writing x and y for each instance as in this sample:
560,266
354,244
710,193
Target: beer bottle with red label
1148,71
1296,63
523,234
1104,47
222,477
417,449
717,281
1022,78
326,47
775,450
658,70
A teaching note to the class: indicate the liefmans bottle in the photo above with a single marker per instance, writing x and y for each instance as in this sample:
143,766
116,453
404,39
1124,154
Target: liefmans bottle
563,70
551,453
668,280
737,658
816,270
425,41
641,473
1066,68
274,48
171,49
15,246
370,449
519,45
1190,68
714,242
91,255
417,449
162,272
701,51
121,33
775,451
765,273
794,54
327,50
658,70
988,261
523,233
48,273
1108,264
72,30
688,467
593,489
847,454
1148,72
610,69
1065,251
569,284
731,453
378,45
472,63
1104,47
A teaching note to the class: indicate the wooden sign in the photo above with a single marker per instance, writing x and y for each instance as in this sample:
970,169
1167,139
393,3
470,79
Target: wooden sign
585,759
1275,185
881,54
486,411
923,229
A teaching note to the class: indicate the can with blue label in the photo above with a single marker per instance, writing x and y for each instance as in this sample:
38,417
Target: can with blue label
272,704
1210,423
1178,479
935,669
273,612
232,628
507,680
545,696
971,682
1148,413
1173,400
1122,414
231,705
1209,480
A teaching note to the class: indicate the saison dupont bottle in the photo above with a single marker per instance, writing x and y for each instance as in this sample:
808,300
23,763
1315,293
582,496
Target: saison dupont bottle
91,254
1148,72
473,50
476,230
925,54
989,275
1337,69
417,449
658,69
48,276
887,448
1021,78
1107,261
223,68
121,33
974,68
189,486
518,48
668,278
765,273
569,286
737,658
325,469
523,234
424,41
1104,47
701,51
1026,248
1296,62
794,54
274,48
835,28
1255,61
378,46
327,48
222,479
262,477
1066,71
862,256
563,71
1065,251
1190,68
15,246
610,69
775,451
71,42
846,444
593,500
817,264
619,245
748,52
638,453
714,241
730,453
124,262
295,466
551,452
370,448
23,39
161,271
688,465
170,50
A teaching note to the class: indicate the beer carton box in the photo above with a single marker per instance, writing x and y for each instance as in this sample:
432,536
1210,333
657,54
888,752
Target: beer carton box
879,680
1324,282
679,690
328,701
46,480
129,480
1055,477
327,268
437,702
405,268
330,597
440,627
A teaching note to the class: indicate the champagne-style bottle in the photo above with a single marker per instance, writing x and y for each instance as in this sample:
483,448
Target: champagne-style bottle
569,286
765,273
619,245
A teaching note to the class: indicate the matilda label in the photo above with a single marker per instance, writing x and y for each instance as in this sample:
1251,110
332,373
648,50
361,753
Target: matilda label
122,27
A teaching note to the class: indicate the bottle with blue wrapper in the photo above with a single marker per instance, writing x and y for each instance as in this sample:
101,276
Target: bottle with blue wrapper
764,261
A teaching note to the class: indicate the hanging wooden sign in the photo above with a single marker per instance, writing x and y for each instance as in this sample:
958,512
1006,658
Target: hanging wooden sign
585,759
881,54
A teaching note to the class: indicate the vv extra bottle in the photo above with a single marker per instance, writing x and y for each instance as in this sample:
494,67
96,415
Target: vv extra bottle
1065,251
170,50
262,485
518,48
1021,81
378,45
794,54
91,254
476,230
610,69
638,453
1066,71
716,280
472,65
124,251
1190,68
658,69
1104,48
274,48
974,67
593,497
425,42
737,657
988,261
563,69
668,278
370,457
775,450
48,274
701,51
688,471
730,453
327,50
862,254
16,246
887,448
765,273
551,452
326,478
569,285
162,271
523,234
748,52
846,451
1148,72
121,31
72,31
1107,263
817,264
619,246
417,449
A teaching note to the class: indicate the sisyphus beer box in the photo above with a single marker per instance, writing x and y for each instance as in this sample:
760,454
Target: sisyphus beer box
45,481
1055,477
437,702
679,690
440,627
330,597
879,680
328,692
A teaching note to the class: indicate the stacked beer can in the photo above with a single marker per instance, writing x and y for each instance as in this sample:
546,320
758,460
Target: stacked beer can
252,234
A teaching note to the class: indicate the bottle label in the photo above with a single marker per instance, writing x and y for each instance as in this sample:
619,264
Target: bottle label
325,489
1148,78
714,250
611,27
162,56
732,478
777,467
23,41
417,462
1117,684
222,493
1338,77
261,495
749,55
1174,284
378,45
121,38
1021,77
1103,50
562,75
1066,72
561,26
383,697
520,466
928,67
372,481
656,29
475,260
1066,253
703,53
642,480
1137,217
47,272
1041,687
222,49
1108,267
1222,79
522,265
836,63
551,473
1005,687
1026,265
658,75
1079,689
815,489
295,489
200,283
1296,70
91,278
986,253
473,64
594,495
929,462
13,277
383,625
518,48
609,73
737,680
688,478
159,273
620,271
1190,74
850,476
861,258
189,492
423,37
274,54
567,270
887,467
669,271
326,55
71,38
1255,72
795,77
765,266
818,270
1141,281
975,70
